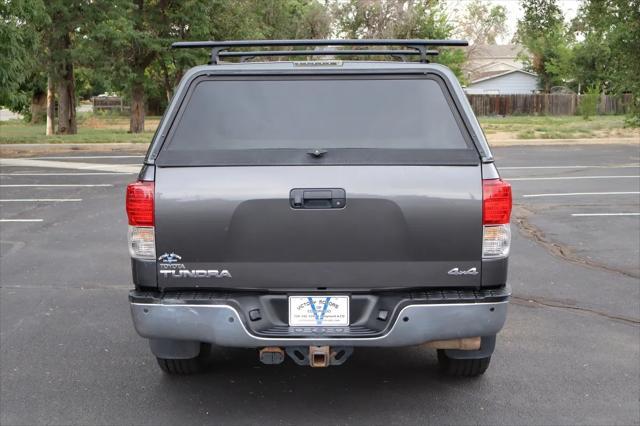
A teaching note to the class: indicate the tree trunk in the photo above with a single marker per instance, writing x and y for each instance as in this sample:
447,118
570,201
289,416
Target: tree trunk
51,107
67,102
136,121
168,87
38,107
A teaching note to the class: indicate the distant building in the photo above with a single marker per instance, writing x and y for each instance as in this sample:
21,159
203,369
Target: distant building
498,69
504,83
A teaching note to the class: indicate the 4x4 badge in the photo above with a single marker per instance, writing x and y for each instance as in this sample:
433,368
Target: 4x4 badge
457,271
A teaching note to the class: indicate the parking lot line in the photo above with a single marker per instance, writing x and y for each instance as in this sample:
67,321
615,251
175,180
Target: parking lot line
604,214
21,220
621,166
67,174
39,200
56,185
564,194
575,177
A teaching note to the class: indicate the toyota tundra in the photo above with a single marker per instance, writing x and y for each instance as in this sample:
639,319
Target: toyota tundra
306,208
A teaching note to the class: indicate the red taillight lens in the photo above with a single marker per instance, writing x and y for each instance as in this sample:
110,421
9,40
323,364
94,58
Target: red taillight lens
496,202
140,203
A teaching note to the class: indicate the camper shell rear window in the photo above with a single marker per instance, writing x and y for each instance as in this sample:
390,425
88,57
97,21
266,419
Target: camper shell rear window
351,119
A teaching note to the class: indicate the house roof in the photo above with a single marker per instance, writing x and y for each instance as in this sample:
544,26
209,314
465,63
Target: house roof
495,74
495,51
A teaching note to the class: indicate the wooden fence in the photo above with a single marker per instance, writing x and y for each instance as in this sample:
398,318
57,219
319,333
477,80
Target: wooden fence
544,104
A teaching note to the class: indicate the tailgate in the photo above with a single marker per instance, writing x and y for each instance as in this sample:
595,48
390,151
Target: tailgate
401,226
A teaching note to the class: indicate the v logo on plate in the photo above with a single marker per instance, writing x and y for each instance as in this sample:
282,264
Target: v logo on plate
319,317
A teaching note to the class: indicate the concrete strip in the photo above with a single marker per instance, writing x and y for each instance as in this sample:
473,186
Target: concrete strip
39,200
545,142
67,174
565,194
74,157
611,166
55,185
574,177
24,150
24,162
27,150
603,214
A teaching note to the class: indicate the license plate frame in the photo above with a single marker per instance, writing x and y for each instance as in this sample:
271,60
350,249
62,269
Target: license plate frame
327,310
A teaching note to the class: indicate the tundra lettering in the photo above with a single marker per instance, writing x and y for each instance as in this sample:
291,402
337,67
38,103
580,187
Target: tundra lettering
195,273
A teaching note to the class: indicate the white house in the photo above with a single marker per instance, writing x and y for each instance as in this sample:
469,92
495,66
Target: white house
507,82
498,69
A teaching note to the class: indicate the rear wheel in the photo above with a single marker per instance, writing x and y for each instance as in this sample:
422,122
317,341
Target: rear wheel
471,367
186,366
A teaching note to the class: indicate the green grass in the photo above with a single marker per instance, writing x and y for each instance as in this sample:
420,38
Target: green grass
113,129
91,129
558,127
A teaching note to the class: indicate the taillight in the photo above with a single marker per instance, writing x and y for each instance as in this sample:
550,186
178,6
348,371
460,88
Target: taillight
140,206
496,202
496,213
140,203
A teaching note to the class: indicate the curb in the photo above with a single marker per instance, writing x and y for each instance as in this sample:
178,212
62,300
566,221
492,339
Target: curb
546,142
23,150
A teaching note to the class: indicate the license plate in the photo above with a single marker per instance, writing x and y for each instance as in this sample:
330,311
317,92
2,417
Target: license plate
319,310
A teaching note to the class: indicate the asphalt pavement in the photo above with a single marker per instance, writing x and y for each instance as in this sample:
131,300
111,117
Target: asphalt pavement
569,353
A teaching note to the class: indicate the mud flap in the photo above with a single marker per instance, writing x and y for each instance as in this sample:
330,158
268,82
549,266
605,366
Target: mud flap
487,345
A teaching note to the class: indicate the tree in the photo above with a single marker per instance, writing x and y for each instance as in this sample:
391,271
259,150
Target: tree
543,32
132,42
20,50
67,18
401,19
483,23
609,56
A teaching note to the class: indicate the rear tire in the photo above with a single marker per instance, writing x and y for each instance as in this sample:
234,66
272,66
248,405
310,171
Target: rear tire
186,366
462,367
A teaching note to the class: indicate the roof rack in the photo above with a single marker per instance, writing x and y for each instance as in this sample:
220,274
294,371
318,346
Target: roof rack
412,47
401,53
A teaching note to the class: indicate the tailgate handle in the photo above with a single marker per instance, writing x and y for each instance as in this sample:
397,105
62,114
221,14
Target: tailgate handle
312,198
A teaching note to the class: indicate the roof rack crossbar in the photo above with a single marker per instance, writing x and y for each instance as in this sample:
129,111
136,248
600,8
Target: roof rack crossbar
400,53
218,46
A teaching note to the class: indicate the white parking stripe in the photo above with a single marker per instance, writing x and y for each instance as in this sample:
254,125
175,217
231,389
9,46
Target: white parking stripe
21,220
604,214
574,177
53,185
621,166
86,156
68,174
39,200
580,193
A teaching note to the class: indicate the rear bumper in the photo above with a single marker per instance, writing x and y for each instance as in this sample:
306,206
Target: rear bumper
222,323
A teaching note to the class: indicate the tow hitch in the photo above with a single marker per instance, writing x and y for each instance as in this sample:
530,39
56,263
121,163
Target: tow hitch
314,356
319,356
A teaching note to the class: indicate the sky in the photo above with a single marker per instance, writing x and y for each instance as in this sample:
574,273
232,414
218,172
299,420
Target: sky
514,12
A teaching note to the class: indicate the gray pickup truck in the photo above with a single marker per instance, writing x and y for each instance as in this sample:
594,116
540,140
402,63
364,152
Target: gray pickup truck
306,208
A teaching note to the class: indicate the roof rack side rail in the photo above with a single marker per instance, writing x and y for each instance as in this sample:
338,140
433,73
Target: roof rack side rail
219,46
400,53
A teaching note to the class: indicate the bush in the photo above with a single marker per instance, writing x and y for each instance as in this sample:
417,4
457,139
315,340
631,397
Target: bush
589,102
